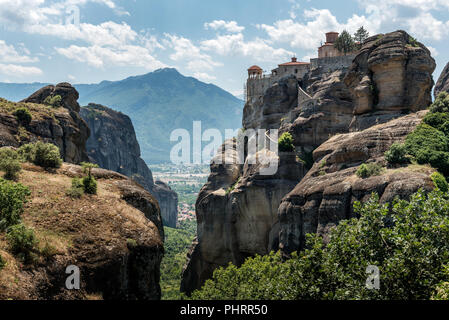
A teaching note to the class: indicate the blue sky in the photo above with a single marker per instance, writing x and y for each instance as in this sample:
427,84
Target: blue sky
212,40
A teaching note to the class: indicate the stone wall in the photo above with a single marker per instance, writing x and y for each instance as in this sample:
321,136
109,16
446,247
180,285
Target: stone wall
332,63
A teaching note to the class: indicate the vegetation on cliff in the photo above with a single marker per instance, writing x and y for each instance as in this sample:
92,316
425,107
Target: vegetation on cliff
408,241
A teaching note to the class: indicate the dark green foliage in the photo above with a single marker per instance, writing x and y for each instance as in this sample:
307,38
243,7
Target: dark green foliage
441,103
77,189
368,170
27,152
360,36
345,43
23,116
90,185
438,120
409,245
176,245
22,242
413,42
307,159
47,155
286,143
2,263
397,154
439,181
12,198
10,163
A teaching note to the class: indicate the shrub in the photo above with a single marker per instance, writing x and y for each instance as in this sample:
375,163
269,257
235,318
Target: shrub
439,181
47,155
411,254
23,116
22,242
90,185
2,263
27,152
441,103
397,154
77,189
54,101
368,170
12,198
286,143
9,163
437,120
426,137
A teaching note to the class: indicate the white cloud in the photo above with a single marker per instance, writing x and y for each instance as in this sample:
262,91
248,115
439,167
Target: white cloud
234,44
123,56
9,54
18,70
230,26
425,26
203,76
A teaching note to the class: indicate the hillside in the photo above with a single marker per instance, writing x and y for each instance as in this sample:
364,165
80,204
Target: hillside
157,103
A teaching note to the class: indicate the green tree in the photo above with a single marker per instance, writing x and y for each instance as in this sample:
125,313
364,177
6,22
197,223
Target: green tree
397,154
12,198
286,143
23,116
47,155
10,163
407,240
89,182
22,242
360,36
345,43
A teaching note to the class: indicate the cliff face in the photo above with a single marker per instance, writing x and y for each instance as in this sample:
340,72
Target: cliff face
60,125
389,78
328,191
443,82
115,238
113,145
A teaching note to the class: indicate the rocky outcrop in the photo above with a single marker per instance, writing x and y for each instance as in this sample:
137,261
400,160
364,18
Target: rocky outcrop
443,82
61,125
237,212
327,193
389,78
115,238
391,75
113,145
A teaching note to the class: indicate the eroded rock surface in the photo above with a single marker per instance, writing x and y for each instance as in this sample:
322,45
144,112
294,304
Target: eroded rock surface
327,193
443,82
113,145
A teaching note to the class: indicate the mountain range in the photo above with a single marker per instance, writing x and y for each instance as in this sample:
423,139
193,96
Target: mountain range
157,103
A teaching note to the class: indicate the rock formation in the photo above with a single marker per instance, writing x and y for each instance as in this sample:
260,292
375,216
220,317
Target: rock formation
443,81
61,126
115,238
113,145
390,77
326,194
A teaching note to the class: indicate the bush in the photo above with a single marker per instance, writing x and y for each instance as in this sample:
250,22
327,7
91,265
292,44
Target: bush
441,103
27,152
22,242
54,101
437,120
90,185
439,181
368,170
2,263
23,116
397,154
286,143
12,198
407,240
77,189
47,155
9,163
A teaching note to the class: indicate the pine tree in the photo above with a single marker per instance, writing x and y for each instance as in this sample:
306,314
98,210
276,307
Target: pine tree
360,36
345,43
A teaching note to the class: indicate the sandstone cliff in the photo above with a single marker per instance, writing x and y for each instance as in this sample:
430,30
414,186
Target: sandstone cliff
443,81
390,77
113,145
60,125
114,237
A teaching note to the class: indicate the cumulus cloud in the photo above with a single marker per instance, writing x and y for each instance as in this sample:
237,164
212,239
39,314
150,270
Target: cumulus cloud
9,54
234,45
230,26
18,70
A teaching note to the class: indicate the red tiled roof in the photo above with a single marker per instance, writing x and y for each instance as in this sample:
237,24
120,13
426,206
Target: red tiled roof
255,68
293,64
